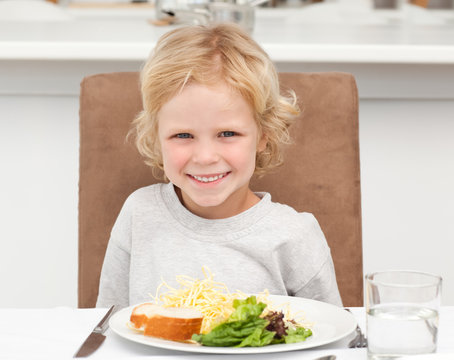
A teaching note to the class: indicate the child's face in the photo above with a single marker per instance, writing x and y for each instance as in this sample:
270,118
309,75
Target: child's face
209,141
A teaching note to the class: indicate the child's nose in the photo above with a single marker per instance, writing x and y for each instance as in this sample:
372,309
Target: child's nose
205,152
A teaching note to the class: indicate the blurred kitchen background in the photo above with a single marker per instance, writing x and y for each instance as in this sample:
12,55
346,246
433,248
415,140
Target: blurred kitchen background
401,53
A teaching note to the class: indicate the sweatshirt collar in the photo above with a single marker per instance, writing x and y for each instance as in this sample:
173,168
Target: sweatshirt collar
235,226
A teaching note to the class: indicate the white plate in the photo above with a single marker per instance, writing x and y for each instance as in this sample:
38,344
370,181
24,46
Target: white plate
330,323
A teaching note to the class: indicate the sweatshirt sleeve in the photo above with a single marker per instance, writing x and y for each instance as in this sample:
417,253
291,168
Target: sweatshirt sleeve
313,275
114,281
323,285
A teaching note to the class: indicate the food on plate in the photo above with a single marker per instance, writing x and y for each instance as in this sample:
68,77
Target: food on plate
206,312
171,323
250,325
212,298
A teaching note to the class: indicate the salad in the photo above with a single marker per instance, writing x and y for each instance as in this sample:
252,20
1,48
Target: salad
250,325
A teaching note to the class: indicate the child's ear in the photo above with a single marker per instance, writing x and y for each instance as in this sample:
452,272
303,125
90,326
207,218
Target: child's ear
262,143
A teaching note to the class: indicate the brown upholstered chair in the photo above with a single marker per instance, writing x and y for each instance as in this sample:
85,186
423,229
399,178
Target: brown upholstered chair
321,173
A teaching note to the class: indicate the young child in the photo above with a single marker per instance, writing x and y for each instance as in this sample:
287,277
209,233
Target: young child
213,117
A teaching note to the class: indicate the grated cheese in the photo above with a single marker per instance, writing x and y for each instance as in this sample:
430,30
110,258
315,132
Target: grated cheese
212,298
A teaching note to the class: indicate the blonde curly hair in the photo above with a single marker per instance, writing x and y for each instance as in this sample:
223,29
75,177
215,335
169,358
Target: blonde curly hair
208,55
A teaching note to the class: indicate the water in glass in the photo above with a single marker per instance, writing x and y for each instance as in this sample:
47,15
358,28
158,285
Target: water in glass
401,329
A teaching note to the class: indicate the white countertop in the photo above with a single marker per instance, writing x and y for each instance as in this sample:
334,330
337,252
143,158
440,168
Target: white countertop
316,33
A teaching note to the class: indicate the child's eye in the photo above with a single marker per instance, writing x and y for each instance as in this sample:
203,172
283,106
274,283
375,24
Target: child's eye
227,133
184,136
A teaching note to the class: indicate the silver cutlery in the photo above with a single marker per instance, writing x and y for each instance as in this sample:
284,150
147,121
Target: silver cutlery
360,340
327,357
96,337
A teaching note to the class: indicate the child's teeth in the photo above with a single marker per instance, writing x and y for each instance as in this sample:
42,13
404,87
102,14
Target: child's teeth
209,179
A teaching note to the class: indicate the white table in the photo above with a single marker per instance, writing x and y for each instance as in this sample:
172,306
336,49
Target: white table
58,332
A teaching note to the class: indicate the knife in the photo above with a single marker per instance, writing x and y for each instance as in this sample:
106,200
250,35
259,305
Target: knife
96,337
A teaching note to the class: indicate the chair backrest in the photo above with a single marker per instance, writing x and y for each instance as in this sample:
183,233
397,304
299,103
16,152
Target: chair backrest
321,172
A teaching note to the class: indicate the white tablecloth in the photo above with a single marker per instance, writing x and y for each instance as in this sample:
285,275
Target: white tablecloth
57,333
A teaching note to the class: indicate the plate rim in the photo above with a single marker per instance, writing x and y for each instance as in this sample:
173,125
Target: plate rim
194,348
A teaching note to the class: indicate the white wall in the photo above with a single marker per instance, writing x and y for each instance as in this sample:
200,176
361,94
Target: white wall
39,144
407,175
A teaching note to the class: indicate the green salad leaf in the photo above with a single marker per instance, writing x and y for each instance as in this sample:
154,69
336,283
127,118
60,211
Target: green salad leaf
245,327
239,333
260,337
245,309
297,335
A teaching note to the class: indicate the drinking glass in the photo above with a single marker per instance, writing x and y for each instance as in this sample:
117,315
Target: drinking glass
402,310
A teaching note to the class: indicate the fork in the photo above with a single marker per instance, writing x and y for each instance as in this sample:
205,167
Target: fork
359,341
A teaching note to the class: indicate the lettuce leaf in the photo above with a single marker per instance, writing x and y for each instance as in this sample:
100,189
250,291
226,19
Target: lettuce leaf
250,332
297,335
245,327
245,309
260,337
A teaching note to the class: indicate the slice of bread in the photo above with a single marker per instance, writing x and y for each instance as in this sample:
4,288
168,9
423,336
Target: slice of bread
171,323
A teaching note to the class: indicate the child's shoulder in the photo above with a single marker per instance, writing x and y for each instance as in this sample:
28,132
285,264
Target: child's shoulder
146,190
144,194
288,211
287,215
295,229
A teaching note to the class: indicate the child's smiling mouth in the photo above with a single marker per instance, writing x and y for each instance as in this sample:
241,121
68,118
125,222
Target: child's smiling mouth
209,178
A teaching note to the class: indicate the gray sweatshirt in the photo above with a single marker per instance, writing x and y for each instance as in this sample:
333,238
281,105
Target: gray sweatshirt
269,246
